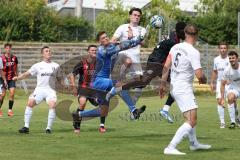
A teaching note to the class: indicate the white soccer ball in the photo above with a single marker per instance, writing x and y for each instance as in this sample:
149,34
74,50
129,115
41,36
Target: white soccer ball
156,21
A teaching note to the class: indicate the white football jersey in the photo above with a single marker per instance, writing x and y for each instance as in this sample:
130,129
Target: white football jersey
233,76
185,60
219,65
46,74
122,34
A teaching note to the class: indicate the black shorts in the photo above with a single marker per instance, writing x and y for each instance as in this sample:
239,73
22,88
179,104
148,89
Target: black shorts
10,83
156,68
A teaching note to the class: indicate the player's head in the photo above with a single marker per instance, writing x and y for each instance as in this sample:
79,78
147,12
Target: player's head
180,30
7,47
46,53
92,50
233,58
103,38
135,15
223,48
191,33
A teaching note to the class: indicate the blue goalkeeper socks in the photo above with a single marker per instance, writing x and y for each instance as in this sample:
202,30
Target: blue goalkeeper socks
90,113
128,100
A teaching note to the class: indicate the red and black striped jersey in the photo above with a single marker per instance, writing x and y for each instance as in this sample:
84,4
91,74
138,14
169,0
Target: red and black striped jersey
85,70
9,66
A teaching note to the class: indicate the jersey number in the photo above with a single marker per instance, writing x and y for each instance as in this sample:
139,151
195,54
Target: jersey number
176,61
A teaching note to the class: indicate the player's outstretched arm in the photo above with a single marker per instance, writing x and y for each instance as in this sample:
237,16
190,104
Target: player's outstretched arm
22,76
124,45
130,43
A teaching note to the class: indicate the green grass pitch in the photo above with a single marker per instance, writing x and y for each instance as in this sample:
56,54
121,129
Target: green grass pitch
124,140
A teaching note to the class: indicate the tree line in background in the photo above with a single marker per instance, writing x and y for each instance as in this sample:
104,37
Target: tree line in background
217,20
31,20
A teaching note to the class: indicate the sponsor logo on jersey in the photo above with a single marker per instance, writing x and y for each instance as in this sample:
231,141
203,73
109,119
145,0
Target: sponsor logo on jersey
47,74
9,63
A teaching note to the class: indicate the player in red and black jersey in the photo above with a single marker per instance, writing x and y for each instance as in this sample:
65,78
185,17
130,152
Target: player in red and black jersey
10,70
85,69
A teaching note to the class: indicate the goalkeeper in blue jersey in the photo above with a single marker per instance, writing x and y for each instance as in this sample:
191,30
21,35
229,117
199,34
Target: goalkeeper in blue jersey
102,81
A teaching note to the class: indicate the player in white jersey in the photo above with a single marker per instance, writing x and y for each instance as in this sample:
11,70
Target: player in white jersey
184,61
219,64
130,57
47,72
231,75
2,83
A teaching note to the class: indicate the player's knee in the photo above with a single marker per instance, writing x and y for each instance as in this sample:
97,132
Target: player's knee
231,98
82,106
31,104
3,94
104,113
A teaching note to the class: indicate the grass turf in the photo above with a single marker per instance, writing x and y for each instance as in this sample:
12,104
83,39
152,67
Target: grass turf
124,139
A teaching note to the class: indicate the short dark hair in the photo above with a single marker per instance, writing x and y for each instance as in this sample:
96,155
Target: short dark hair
223,43
8,44
191,29
180,30
90,46
44,47
233,53
135,9
99,35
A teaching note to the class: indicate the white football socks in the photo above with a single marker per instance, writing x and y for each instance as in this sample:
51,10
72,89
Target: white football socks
166,108
221,113
192,137
231,111
51,118
27,116
179,135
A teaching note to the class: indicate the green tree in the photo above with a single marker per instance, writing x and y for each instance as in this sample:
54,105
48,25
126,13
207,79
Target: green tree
31,20
110,19
217,20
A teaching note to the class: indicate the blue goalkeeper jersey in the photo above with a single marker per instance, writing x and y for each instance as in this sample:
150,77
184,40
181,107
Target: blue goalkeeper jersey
104,56
104,60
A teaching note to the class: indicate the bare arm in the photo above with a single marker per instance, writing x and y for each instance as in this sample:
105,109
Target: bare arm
71,78
22,76
213,79
200,76
165,72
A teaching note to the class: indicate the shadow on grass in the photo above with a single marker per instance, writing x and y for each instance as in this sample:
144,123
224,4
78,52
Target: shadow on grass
143,136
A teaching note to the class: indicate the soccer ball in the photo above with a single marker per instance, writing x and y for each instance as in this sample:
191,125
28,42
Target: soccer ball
156,21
